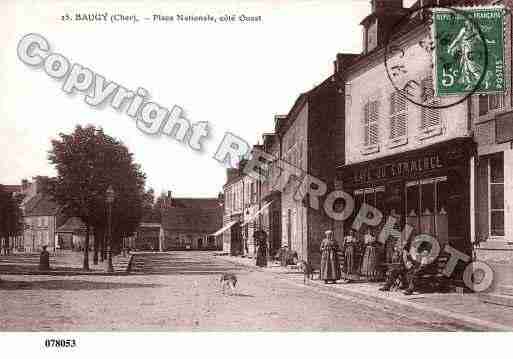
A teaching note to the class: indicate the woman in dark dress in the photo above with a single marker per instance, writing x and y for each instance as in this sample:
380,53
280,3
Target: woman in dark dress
330,266
350,252
261,256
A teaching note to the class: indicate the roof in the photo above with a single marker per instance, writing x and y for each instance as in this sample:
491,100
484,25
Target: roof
72,224
11,188
205,220
41,205
203,203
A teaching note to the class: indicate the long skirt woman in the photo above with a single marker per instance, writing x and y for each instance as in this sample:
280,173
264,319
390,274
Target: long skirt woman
351,262
371,262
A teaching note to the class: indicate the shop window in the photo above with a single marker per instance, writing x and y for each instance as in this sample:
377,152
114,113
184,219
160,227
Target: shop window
370,123
430,118
490,103
398,115
426,207
374,197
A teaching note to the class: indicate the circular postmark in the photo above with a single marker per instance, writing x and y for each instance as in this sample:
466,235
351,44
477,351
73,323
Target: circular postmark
458,52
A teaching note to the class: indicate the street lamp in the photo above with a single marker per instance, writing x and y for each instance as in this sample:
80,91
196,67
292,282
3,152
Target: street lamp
109,198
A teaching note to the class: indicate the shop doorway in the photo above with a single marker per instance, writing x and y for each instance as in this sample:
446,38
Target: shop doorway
427,207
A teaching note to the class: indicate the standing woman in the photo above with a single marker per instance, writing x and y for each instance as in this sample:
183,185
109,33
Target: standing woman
261,239
350,251
330,266
372,257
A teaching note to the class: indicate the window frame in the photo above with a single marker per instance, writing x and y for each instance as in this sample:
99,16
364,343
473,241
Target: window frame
490,113
397,99
369,147
489,199
429,99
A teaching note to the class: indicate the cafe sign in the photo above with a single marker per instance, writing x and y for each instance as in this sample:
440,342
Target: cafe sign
399,168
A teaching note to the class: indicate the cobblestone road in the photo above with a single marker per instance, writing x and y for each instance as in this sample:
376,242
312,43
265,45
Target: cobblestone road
180,291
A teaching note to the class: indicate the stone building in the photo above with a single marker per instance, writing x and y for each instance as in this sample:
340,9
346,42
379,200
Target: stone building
233,212
311,137
271,195
412,161
42,216
492,175
188,223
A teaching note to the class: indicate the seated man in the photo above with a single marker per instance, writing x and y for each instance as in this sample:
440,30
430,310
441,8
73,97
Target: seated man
407,270
397,270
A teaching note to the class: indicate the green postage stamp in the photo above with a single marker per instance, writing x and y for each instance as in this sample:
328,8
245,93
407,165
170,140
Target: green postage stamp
469,50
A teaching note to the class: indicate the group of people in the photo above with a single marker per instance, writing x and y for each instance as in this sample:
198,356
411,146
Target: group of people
360,257
366,257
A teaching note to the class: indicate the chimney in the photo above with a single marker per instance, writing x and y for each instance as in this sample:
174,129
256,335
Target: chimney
24,184
376,26
342,62
231,174
279,120
386,5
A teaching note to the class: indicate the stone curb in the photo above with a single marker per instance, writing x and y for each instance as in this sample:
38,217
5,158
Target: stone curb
72,272
351,293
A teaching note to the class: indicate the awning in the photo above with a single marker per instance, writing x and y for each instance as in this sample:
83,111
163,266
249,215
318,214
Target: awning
224,229
255,215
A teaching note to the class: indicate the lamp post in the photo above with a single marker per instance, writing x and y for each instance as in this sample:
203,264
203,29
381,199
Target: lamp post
109,198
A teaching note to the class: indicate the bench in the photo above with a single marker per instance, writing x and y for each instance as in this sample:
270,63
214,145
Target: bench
432,278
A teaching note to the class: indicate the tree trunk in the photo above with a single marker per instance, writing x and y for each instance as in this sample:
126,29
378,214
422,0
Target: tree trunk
104,247
86,249
96,244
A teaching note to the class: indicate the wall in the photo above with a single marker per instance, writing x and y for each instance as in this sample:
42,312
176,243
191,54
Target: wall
294,151
494,250
370,82
41,232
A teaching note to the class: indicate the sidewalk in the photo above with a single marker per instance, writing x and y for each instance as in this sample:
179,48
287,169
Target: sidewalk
61,263
464,309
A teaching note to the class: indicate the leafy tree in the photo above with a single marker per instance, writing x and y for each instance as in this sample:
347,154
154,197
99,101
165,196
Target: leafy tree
11,218
88,161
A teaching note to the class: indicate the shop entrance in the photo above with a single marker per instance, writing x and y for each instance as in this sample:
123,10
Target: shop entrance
427,207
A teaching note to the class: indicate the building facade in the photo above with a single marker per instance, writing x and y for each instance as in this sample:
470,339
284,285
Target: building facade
311,136
492,123
271,195
42,217
189,223
412,160
231,232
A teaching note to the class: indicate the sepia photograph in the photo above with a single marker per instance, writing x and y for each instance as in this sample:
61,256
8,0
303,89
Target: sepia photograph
250,167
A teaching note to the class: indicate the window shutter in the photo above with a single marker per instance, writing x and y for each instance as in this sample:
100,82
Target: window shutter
398,115
370,123
430,115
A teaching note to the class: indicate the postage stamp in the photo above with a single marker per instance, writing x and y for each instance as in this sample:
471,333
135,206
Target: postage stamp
469,51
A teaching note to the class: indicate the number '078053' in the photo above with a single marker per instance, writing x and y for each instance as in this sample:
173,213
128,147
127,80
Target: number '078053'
60,343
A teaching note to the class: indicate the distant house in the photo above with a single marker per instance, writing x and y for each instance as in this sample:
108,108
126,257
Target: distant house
42,217
71,235
148,237
189,223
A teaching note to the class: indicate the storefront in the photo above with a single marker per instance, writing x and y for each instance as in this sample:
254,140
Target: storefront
428,189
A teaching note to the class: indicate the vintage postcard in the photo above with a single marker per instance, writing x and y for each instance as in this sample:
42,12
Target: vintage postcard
254,166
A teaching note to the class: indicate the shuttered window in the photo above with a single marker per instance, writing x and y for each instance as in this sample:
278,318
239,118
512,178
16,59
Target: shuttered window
370,123
430,115
398,115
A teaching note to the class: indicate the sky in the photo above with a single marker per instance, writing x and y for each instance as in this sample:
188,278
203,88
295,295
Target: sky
235,76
